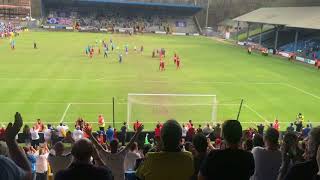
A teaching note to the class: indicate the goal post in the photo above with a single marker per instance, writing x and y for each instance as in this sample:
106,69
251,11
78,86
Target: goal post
150,108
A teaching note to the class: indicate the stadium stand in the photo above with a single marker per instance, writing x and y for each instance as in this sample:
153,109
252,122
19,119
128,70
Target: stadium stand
138,16
296,30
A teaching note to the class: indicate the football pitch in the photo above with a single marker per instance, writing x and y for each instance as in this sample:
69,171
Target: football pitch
58,83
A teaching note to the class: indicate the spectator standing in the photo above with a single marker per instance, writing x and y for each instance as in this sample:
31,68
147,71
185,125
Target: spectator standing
132,156
2,132
101,122
26,134
276,125
42,164
217,131
199,130
190,133
82,168
47,134
291,153
267,160
77,134
306,131
17,167
290,128
189,124
260,129
109,134
35,138
200,144
61,131
308,169
39,125
157,133
123,134
136,125
114,159
29,151
258,141
207,130
184,131
231,163
171,162
57,159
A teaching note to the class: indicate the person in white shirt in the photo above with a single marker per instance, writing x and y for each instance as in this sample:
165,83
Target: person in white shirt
184,131
267,160
132,156
35,138
42,164
77,134
60,131
114,159
47,134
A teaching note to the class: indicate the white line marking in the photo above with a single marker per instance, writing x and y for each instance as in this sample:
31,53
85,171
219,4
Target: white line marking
258,114
65,112
303,91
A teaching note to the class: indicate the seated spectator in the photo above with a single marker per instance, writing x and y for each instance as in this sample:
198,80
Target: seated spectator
57,159
171,162
132,156
309,168
18,166
82,168
231,163
267,160
114,159
200,144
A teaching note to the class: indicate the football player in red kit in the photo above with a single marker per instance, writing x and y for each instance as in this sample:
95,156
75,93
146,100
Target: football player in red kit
175,58
161,67
178,62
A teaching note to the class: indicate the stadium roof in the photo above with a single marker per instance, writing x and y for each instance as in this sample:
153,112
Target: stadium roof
146,4
297,17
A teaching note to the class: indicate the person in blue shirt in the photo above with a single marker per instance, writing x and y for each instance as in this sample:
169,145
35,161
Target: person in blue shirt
32,160
109,134
306,131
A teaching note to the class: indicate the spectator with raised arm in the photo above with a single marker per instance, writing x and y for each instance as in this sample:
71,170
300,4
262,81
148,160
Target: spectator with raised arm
57,159
171,162
114,158
82,167
18,166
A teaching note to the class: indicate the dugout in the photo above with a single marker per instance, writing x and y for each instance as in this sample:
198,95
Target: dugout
302,21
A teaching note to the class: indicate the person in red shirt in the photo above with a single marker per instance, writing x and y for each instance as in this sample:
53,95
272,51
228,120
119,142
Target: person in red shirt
101,139
276,125
175,58
189,124
136,125
157,133
87,126
39,125
190,133
161,67
91,52
178,62
115,133
2,131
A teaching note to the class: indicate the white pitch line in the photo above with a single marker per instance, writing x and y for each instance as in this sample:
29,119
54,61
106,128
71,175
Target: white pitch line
303,91
258,114
65,112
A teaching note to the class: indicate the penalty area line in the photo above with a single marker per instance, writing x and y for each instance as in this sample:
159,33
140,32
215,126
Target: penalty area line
65,113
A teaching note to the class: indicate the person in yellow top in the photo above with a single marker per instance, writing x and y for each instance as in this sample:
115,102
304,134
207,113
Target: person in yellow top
300,117
101,122
171,163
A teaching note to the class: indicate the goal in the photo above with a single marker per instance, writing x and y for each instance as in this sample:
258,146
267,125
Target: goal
150,108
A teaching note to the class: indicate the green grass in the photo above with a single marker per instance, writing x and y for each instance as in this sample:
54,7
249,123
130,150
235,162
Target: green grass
41,83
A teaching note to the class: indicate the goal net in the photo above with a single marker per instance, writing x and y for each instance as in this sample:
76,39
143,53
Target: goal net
150,108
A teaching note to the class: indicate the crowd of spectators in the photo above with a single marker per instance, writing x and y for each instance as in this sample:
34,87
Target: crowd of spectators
175,151
7,28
